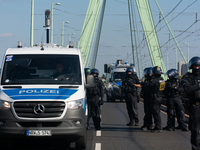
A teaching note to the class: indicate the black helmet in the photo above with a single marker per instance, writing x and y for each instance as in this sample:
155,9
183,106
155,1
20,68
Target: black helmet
172,73
157,70
129,69
94,71
144,72
194,61
149,70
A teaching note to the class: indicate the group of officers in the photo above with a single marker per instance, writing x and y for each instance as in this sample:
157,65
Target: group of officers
152,89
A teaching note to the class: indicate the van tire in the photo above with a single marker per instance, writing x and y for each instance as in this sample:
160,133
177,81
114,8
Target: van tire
82,142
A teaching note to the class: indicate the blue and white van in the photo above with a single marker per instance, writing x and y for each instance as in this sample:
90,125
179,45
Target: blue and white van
35,103
115,72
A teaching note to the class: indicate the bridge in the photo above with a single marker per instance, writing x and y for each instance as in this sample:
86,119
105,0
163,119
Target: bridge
115,135
89,39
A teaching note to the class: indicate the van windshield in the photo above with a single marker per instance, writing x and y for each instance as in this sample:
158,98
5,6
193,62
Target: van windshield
119,76
41,69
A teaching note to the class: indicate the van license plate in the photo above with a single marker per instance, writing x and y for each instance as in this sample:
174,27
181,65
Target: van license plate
38,133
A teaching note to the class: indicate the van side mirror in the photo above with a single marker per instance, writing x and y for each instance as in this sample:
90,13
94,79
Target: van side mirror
90,81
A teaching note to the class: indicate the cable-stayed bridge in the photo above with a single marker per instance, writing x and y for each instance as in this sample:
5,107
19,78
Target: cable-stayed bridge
91,31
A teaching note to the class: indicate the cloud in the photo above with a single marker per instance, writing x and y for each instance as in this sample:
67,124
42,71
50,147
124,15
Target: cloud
9,34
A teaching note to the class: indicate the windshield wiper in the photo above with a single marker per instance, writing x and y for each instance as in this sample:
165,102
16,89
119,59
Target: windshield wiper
12,87
66,87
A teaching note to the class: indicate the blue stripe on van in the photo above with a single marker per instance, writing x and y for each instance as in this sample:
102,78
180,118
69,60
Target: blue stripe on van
84,104
18,94
119,83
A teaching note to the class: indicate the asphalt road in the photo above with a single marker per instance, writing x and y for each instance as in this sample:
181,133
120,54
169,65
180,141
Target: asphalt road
115,135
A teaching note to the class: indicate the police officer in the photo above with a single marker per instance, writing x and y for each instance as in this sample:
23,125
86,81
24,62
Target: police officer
172,92
93,101
191,85
156,85
148,74
129,84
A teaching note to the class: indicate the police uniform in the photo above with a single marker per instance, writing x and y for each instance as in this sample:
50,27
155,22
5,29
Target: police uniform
129,90
93,101
191,85
146,99
172,92
156,85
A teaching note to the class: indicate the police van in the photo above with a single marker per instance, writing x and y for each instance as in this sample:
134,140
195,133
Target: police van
38,100
115,72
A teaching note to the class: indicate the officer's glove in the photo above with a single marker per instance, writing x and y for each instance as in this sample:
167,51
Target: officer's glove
100,103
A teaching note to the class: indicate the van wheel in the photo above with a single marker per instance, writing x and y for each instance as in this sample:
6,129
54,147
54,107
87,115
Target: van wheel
82,142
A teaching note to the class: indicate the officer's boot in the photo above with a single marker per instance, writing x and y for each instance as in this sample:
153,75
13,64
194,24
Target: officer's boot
167,128
150,127
136,123
131,123
97,125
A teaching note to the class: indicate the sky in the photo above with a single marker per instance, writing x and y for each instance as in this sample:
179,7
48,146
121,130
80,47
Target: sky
115,41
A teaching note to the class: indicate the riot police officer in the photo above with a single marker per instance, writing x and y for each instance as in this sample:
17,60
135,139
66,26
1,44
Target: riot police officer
191,85
148,74
93,101
156,85
172,92
129,84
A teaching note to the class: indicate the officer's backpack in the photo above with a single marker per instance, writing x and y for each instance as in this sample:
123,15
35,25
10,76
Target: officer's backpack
94,90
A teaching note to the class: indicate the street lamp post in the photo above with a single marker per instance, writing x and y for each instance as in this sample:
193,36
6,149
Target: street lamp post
70,36
63,31
32,22
167,59
176,58
52,20
187,50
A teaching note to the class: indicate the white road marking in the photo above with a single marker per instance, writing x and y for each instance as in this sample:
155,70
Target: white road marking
98,133
98,146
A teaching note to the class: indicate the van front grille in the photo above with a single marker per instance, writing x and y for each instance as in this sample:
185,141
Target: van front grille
39,109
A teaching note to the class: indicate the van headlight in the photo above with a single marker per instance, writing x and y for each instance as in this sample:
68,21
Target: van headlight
4,104
75,104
